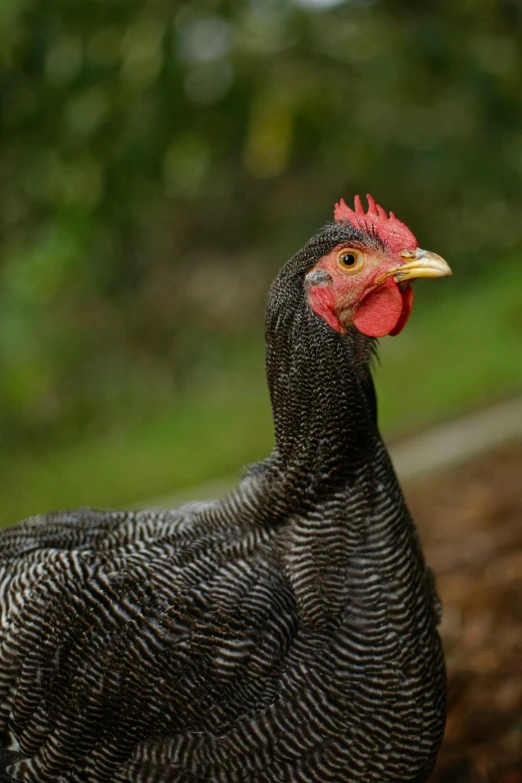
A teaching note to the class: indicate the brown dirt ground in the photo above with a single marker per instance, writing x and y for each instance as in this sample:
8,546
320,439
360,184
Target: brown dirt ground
470,520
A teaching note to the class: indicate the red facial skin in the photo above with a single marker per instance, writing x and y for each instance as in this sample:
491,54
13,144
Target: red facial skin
356,297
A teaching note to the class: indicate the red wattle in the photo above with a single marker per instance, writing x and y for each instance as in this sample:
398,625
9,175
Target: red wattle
407,304
380,311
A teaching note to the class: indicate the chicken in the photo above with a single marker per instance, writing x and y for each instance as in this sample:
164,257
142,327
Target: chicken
285,633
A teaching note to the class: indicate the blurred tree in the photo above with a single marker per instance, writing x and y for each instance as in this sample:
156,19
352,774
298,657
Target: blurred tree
159,162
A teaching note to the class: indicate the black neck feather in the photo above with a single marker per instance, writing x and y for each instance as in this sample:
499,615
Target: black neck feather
322,393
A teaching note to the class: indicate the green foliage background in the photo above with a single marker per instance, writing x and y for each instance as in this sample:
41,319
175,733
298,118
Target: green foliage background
158,163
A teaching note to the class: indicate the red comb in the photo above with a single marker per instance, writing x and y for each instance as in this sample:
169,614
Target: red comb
395,235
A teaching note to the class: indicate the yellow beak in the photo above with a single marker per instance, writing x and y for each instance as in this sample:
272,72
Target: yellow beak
422,264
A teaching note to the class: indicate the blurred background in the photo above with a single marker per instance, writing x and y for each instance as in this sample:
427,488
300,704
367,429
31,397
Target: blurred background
159,162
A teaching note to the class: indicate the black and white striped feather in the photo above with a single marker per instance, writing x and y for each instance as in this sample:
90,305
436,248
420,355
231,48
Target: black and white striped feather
286,633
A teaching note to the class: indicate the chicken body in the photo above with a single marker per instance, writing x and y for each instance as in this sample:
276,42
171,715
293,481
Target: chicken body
285,633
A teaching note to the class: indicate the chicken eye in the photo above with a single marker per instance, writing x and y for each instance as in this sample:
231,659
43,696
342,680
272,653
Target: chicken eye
350,260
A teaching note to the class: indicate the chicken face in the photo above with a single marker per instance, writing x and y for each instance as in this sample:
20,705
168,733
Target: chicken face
365,281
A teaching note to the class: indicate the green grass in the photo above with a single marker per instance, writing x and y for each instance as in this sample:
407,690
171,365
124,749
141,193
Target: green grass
461,349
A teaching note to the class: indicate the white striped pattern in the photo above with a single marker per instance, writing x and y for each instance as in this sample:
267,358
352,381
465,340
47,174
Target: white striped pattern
286,633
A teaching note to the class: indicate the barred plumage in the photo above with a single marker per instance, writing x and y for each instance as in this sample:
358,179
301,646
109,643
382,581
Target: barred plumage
286,633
